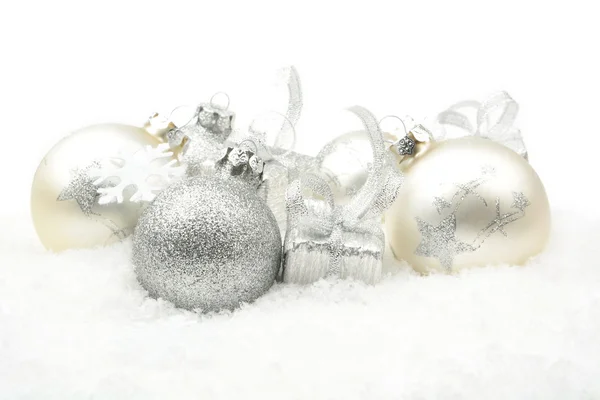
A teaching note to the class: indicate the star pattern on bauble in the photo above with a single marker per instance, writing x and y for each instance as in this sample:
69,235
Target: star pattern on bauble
520,201
440,204
441,241
81,188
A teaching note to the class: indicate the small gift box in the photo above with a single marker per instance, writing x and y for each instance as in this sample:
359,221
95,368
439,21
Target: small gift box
325,239
319,242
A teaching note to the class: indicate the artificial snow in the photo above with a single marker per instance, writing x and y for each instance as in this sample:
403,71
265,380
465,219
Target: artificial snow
77,325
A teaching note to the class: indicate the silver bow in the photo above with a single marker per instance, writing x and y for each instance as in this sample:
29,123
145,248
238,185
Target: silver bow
494,120
319,220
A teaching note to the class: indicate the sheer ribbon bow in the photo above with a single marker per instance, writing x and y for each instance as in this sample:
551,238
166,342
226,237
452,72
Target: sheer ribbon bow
495,119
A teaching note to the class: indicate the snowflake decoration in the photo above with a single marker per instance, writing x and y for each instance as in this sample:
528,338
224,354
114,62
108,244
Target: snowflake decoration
149,170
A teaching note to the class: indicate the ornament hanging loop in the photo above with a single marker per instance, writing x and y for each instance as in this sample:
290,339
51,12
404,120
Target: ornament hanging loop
274,150
250,142
392,132
187,121
216,101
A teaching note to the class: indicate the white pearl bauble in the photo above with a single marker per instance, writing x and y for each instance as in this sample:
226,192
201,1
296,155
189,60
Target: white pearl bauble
65,224
468,202
344,162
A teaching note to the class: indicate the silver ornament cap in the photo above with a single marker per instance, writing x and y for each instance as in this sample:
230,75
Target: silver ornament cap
202,138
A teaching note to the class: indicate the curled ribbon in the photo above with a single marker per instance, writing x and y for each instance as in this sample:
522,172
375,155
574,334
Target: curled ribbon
294,103
286,132
495,120
318,218
282,164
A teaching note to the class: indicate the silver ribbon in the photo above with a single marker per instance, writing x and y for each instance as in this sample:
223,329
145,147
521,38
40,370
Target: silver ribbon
275,151
495,119
319,218
294,109
282,164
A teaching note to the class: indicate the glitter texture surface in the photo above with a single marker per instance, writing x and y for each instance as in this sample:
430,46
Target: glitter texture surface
202,151
205,135
441,242
81,188
207,243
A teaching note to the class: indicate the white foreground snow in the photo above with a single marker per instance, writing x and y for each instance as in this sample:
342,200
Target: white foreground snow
77,326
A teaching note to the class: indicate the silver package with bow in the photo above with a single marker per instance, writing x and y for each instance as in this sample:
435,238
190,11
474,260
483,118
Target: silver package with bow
324,239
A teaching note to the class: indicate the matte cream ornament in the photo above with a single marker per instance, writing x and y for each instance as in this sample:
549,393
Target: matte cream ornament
468,201
66,193
210,242
344,163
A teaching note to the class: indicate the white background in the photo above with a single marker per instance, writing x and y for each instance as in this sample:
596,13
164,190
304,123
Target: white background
67,64
77,325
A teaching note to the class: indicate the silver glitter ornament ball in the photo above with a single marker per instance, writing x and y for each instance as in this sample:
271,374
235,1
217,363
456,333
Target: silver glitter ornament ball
207,243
